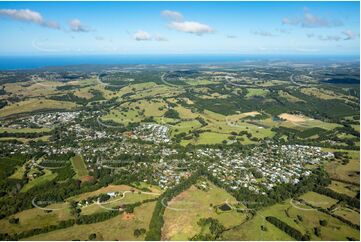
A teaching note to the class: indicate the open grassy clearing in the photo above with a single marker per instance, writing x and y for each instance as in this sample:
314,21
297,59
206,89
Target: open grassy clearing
318,200
128,198
118,228
289,97
35,105
194,204
344,188
349,214
251,230
136,111
48,176
220,127
147,187
157,91
84,93
252,92
349,172
195,82
24,130
356,127
109,188
150,108
19,172
299,122
185,126
79,166
325,94
36,218
310,218
33,89
214,95
125,118
185,113
25,140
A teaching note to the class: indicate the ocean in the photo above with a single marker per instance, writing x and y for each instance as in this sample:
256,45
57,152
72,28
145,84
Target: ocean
31,62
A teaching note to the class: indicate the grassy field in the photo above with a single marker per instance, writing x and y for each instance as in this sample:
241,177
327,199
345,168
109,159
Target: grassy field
24,130
109,188
340,187
35,105
256,92
318,200
116,201
118,228
79,166
349,172
33,89
310,218
251,230
185,126
289,97
48,176
18,174
348,214
185,210
35,218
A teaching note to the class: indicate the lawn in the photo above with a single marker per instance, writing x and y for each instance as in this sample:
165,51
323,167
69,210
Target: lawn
304,220
118,228
251,230
128,198
252,92
47,177
109,188
19,173
35,105
318,200
185,126
349,172
348,214
211,138
24,130
185,210
35,218
340,187
79,166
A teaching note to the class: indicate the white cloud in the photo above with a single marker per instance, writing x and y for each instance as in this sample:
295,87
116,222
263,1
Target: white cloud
141,35
230,36
76,26
175,16
329,37
28,15
177,23
160,38
349,35
263,33
310,20
191,27
290,21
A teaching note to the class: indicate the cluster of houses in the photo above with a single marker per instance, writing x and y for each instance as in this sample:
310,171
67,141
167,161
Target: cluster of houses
171,172
156,133
49,120
259,169
265,167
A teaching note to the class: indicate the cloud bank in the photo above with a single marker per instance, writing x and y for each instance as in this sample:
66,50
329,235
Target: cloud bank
76,26
27,15
192,27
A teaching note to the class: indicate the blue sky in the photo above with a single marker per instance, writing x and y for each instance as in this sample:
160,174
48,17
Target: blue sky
52,28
